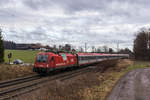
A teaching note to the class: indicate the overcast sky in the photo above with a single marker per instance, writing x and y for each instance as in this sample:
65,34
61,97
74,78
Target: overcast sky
97,22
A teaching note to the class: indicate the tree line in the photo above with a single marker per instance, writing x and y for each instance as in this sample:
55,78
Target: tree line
141,46
1,48
9,45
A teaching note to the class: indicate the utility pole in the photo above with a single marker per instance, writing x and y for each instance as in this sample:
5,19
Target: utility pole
85,47
148,42
0,30
118,48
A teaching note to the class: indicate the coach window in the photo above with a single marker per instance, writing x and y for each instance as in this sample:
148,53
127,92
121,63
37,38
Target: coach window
85,58
88,57
79,58
82,58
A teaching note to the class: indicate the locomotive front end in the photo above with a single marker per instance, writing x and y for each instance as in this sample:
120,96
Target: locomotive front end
42,64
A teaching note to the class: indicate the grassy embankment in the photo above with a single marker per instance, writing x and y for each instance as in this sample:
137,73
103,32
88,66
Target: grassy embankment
27,56
14,71
111,77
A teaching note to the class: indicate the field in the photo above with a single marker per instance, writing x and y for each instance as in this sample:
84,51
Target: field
27,56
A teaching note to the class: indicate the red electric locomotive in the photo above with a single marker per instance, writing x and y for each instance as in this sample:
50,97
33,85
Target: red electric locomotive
48,61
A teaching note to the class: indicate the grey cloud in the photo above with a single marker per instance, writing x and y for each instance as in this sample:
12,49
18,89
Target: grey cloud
75,26
79,5
72,5
37,35
39,4
4,2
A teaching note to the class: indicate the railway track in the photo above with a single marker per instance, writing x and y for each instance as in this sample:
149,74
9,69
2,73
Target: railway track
16,87
18,80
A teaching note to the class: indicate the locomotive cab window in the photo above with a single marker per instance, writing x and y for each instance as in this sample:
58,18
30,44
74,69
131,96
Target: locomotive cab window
42,58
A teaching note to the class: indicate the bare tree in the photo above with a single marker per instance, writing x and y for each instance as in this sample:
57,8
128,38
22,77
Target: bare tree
111,50
105,48
125,51
81,49
141,45
1,48
93,49
98,50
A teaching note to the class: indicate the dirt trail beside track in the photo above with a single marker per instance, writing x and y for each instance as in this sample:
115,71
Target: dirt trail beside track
135,85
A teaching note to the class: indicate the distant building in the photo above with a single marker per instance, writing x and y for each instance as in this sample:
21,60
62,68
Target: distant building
32,46
23,46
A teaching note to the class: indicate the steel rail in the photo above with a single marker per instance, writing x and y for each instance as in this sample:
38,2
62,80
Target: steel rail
18,80
59,76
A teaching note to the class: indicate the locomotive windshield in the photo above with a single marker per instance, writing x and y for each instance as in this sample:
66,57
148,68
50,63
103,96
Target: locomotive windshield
42,58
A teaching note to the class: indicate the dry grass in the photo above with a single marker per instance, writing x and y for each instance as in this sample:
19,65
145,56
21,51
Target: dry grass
94,85
82,87
107,81
13,71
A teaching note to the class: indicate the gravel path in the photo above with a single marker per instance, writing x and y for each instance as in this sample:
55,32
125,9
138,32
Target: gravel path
135,85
